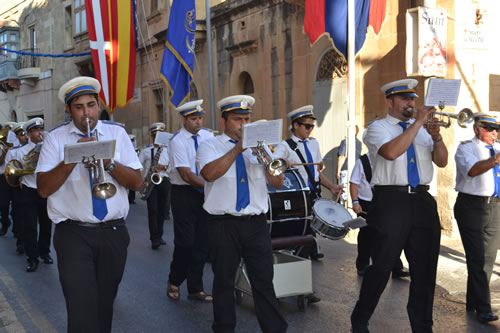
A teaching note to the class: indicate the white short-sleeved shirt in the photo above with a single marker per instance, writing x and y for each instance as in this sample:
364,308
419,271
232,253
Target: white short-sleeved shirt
469,153
145,159
182,153
220,195
358,177
73,200
18,154
283,150
386,172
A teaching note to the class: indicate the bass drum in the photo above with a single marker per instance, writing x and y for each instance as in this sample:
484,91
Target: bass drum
329,217
289,206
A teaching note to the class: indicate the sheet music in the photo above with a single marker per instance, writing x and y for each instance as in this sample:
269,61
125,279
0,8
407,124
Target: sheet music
163,138
75,153
442,90
267,131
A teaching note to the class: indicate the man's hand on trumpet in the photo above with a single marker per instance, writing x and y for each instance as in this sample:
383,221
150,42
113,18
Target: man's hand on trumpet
433,129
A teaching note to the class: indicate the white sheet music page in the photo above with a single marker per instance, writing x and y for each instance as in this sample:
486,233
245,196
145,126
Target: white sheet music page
75,153
266,131
442,91
163,138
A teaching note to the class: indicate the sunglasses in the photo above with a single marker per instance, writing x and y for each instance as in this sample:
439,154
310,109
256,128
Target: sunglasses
22,133
489,128
307,126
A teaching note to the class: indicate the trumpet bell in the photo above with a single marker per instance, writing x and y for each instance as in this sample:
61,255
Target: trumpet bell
277,167
103,191
465,117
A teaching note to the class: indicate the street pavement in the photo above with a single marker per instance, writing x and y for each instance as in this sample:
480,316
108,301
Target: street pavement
33,302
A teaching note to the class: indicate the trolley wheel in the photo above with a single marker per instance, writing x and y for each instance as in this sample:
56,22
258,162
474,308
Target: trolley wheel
301,303
238,296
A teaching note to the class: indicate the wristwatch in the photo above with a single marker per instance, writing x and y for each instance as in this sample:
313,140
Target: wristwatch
111,166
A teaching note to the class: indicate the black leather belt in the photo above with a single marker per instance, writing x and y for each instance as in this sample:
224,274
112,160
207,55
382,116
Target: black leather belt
103,225
484,199
403,188
235,217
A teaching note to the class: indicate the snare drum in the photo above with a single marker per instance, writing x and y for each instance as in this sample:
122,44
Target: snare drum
289,206
329,217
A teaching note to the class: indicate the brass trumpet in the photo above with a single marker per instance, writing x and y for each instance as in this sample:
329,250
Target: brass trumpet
100,189
464,118
275,167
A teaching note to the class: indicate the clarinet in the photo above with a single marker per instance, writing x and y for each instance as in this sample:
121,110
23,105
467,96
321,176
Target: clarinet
152,178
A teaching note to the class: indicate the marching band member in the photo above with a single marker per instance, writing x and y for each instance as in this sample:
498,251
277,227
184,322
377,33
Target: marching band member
302,148
5,191
21,134
190,220
91,238
158,201
236,201
403,214
477,210
34,207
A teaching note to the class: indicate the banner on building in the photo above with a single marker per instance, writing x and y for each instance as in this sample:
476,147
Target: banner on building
112,36
178,58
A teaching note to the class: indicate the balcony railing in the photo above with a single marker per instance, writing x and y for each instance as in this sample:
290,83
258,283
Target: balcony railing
28,61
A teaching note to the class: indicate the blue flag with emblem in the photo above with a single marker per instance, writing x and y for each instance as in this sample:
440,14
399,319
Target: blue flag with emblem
178,58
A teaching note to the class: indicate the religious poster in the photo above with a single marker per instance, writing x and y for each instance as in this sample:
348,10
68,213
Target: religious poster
432,39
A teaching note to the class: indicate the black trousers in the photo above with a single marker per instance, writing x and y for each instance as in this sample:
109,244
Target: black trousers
91,263
190,238
478,224
17,209
33,214
5,199
365,236
233,238
410,222
158,207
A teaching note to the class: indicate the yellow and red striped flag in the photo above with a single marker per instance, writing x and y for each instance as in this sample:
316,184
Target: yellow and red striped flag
112,36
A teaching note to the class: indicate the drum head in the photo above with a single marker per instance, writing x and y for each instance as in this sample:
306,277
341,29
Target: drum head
331,212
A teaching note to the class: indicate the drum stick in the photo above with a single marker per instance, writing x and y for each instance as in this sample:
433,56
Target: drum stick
361,212
296,164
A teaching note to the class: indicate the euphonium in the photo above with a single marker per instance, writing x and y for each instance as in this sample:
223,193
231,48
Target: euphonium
15,170
100,189
275,167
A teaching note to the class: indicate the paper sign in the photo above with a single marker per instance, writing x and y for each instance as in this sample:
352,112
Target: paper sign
77,152
442,91
267,132
163,138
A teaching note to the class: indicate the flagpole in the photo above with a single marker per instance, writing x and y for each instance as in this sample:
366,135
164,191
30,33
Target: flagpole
351,116
210,66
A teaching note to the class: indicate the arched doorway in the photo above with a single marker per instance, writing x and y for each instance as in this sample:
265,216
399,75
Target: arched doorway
330,106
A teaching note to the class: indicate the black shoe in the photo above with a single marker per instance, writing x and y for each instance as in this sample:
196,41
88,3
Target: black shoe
400,274
162,242
317,256
361,272
20,249
311,299
32,265
357,328
486,317
47,259
155,245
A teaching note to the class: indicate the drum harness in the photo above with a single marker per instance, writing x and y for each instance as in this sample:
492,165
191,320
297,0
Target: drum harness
317,188
367,168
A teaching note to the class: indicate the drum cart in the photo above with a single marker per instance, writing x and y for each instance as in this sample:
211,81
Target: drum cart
292,274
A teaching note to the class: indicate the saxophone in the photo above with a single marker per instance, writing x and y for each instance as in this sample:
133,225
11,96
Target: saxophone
152,178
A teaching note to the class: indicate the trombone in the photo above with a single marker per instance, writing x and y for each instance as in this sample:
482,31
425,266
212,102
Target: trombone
100,189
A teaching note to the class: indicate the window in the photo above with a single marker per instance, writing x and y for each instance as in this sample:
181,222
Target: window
80,17
68,27
32,33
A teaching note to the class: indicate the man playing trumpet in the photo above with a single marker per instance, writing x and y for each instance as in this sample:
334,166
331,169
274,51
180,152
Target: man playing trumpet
91,238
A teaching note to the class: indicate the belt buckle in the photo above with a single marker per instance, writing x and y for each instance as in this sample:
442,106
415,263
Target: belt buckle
410,188
492,200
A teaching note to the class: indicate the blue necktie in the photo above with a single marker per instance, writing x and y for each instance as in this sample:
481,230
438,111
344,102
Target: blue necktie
413,178
195,138
99,207
496,173
309,160
242,191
